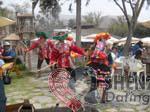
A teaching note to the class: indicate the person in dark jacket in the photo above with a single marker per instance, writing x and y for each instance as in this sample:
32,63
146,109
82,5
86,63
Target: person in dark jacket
2,94
137,46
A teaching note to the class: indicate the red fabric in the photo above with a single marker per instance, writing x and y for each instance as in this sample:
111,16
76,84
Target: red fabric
53,56
61,53
44,51
77,50
34,45
69,38
1,50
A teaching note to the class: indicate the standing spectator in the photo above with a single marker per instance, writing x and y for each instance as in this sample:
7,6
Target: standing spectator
113,55
2,95
20,49
43,47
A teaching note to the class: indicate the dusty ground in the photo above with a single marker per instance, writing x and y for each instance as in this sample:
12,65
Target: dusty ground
27,86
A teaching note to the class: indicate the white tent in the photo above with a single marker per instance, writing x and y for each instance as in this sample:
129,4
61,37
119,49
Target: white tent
146,41
91,36
5,21
123,40
87,40
113,39
133,39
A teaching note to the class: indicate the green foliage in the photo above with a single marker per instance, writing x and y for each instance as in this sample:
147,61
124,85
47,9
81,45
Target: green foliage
141,31
50,7
21,67
71,23
3,11
21,8
92,18
120,29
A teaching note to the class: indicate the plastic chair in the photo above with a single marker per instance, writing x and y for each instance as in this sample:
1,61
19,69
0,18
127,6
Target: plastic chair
136,66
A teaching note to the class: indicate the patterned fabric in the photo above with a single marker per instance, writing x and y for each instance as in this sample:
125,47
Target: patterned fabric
99,56
63,51
45,50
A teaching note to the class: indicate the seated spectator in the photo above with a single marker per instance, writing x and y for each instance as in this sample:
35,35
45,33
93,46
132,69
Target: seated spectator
8,54
136,47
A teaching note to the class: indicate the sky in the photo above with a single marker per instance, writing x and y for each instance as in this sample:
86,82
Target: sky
106,7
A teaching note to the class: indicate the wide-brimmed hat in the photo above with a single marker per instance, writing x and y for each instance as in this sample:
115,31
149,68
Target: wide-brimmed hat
41,34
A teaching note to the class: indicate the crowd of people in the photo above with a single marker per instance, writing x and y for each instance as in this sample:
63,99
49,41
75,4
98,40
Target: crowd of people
58,52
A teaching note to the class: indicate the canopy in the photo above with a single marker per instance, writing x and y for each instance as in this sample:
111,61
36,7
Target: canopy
87,40
146,41
91,36
5,21
123,40
113,39
12,37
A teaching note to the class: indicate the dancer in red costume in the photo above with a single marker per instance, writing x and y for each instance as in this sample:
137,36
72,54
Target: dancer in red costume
44,47
59,78
63,57
99,62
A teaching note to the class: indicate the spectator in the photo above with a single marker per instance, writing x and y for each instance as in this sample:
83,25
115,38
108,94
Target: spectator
43,46
20,49
8,54
113,55
136,47
138,55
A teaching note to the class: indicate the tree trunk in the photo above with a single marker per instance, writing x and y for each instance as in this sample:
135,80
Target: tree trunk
127,45
78,22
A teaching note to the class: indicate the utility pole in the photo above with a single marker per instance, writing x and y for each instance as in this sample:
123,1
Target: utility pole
78,22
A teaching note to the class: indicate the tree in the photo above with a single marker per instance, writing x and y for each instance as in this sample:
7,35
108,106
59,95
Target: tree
5,12
78,22
71,23
48,7
54,4
92,18
20,8
119,27
141,31
135,6
89,18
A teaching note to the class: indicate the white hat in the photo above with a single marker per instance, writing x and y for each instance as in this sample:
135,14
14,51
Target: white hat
6,43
